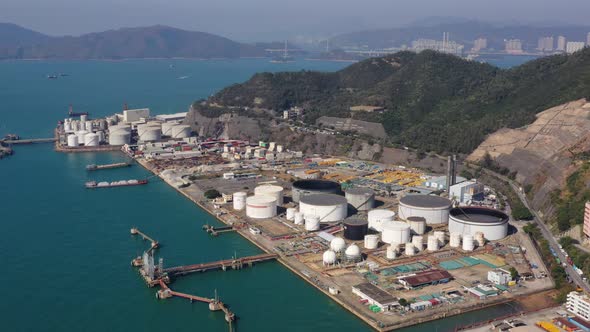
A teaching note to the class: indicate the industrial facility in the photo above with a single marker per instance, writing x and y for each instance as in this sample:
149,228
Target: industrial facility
434,209
469,221
328,207
306,187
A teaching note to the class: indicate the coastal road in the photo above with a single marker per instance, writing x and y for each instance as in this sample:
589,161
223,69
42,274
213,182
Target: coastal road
577,279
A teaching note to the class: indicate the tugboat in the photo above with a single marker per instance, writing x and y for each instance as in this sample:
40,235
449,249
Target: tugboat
71,112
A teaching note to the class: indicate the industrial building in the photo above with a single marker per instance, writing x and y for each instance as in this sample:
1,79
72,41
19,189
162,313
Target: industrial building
301,188
361,199
578,303
135,114
375,296
328,207
499,276
467,192
440,182
434,209
470,220
425,278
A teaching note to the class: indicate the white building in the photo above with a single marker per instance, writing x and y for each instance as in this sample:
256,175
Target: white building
136,114
561,42
578,304
375,295
171,117
574,46
467,191
499,276
513,46
440,182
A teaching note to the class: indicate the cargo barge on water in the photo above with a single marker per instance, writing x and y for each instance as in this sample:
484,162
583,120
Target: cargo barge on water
94,167
122,183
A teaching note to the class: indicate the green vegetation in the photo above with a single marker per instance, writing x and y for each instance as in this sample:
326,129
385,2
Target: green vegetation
513,273
580,258
212,194
403,302
570,201
433,101
517,208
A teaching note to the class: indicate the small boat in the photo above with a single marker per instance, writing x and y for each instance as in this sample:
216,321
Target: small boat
52,77
183,77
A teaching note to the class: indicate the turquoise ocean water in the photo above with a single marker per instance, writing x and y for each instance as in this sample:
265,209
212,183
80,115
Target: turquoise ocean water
65,251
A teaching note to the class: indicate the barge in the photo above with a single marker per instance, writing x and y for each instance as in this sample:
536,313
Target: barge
94,167
122,183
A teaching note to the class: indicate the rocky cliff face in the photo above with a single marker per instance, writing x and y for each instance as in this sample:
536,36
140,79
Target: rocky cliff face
227,125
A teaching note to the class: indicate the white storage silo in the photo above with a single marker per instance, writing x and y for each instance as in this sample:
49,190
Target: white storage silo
81,136
261,207
432,244
270,190
88,126
468,244
298,219
470,220
181,131
329,257
167,128
434,209
83,118
440,235
390,253
353,253
239,200
151,134
480,239
395,232
377,217
75,125
120,128
410,249
418,242
119,138
67,126
91,139
328,207
72,141
455,240
371,241
362,199
417,224
291,213
312,223
337,244
101,137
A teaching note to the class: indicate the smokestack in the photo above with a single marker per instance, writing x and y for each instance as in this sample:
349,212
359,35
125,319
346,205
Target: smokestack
449,173
454,174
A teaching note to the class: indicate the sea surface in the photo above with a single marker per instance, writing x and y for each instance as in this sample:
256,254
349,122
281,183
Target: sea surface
65,251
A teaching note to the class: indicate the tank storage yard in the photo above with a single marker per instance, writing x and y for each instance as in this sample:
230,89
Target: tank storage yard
394,245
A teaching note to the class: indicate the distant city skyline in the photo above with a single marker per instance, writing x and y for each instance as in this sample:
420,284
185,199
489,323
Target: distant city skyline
263,20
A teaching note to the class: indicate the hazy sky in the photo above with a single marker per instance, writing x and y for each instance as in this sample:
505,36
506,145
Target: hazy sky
251,20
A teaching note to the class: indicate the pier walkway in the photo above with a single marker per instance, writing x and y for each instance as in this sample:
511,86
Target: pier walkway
154,244
30,141
236,263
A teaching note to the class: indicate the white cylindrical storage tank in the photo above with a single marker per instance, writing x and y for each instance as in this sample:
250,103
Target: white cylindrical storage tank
91,140
102,124
298,219
440,235
328,207
119,138
72,140
390,253
329,257
117,128
480,239
410,249
471,220
468,244
101,137
418,242
88,126
432,244
371,241
353,253
75,125
337,244
312,223
181,131
417,224
377,217
434,209
395,232
67,126
151,134
81,136
239,200
302,188
362,199
455,240
167,128
291,213
261,207
396,247
270,190
83,117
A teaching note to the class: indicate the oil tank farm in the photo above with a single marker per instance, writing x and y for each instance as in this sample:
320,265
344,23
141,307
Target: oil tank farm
328,207
470,220
270,190
434,209
261,207
355,229
395,232
362,199
307,187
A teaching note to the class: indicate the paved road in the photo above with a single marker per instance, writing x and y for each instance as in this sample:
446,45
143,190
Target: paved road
545,231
